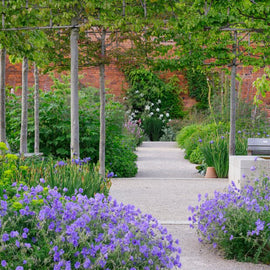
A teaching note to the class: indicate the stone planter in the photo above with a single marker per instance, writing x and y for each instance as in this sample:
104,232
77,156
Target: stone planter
244,169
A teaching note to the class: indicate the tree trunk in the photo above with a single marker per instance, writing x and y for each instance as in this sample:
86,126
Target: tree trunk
102,138
2,95
24,116
74,103
36,109
3,87
232,99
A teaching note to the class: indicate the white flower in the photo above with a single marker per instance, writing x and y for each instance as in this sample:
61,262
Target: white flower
167,114
152,104
170,120
137,91
151,113
147,107
157,110
141,94
161,116
159,101
136,111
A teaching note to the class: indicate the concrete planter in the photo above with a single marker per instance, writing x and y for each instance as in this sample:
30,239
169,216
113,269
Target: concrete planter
245,169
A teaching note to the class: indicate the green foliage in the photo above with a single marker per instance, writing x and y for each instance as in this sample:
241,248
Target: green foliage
208,144
151,97
196,156
184,134
262,85
55,122
197,86
168,134
147,89
68,175
153,128
120,157
216,154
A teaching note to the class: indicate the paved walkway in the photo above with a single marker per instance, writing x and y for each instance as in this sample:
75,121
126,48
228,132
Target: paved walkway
166,184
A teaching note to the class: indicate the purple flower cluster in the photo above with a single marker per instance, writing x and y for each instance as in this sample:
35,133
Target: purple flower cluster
238,221
77,232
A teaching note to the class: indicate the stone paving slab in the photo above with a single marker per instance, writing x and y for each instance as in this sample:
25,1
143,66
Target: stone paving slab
167,196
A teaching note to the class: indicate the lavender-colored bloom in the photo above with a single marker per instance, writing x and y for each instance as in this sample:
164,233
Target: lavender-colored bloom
4,263
253,168
61,163
5,237
27,245
110,175
42,180
19,268
200,140
13,234
77,265
211,142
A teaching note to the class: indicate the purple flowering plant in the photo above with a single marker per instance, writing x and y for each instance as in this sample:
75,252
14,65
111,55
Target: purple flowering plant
134,131
69,174
236,221
42,229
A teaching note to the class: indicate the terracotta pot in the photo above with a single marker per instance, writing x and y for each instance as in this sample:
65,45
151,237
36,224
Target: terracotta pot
211,172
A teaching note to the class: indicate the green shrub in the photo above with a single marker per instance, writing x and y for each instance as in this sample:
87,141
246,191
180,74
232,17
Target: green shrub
153,128
185,134
55,122
196,156
168,134
120,158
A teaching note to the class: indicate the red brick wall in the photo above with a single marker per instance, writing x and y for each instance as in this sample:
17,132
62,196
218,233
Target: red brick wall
115,81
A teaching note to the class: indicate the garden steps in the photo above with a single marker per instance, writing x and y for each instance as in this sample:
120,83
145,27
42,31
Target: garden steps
166,184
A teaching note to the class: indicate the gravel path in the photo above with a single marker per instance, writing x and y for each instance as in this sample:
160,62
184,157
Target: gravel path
166,184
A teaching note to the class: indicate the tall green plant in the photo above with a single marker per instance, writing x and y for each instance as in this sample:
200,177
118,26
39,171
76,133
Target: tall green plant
55,123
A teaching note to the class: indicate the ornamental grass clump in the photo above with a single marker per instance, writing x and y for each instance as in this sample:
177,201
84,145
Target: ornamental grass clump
237,221
42,229
216,154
